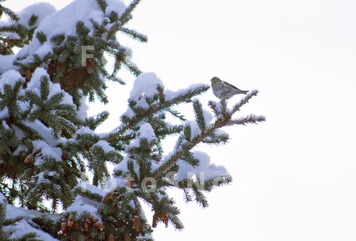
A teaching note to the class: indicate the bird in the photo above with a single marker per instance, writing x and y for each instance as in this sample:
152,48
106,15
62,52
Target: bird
224,90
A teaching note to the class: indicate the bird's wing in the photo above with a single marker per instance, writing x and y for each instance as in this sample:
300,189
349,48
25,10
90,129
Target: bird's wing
229,85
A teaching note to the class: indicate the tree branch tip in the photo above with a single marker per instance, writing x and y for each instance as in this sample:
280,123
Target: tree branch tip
253,92
262,118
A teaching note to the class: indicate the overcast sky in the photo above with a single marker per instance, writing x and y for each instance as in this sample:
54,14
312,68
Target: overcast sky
294,175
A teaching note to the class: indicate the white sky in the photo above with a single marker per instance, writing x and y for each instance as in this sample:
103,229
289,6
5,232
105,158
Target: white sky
294,175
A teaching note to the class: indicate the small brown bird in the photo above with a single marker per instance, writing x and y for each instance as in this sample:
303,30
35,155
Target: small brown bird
224,90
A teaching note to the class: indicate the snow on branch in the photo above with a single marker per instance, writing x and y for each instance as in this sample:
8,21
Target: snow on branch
244,100
149,97
192,137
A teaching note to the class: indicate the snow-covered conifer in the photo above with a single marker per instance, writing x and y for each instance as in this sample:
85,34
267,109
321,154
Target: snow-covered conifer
55,181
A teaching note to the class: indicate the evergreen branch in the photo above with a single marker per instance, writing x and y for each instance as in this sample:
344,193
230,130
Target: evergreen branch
125,16
135,35
189,158
41,37
163,208
120,55
23,125
132,67
199,196
192,187
216,139
11,98
34,98
185,147
94,121
214,106
55,101
169,130
123,19
244,100
45,88
250,119
217,182
102,4
186,97
8,12
85,192
32,21
199,115
187,195
187,132
176,114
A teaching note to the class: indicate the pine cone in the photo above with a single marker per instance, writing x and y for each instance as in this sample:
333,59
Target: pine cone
111,237
159,217
224,90
30,158
136,223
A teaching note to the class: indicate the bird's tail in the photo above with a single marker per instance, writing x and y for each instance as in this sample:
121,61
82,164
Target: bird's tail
244,92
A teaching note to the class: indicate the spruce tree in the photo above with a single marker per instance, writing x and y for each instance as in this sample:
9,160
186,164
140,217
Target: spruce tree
54,175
